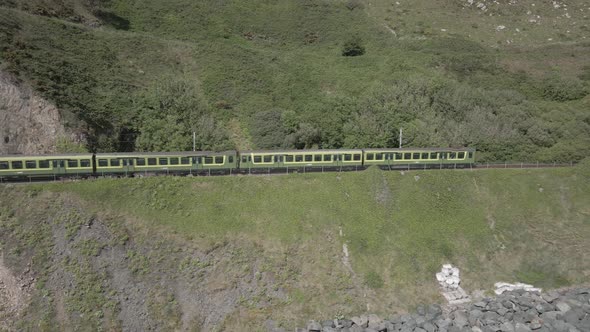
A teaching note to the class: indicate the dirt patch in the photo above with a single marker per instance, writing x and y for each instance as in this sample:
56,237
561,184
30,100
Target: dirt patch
13,295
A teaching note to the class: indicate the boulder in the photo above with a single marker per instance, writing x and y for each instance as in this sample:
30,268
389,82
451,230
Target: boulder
562,306
519,327
313,326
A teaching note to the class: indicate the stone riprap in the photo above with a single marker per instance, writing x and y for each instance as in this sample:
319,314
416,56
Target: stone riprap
512,311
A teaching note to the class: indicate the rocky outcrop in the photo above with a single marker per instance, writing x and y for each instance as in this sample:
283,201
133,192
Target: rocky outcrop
29,124
512,311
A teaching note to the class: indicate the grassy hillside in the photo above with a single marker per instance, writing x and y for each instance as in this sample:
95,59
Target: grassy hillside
260,248
142,75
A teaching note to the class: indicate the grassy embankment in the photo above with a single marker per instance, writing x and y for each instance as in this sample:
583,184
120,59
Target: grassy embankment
287,234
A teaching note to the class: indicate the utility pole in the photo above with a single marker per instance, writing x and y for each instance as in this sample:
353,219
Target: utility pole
194,140
401,130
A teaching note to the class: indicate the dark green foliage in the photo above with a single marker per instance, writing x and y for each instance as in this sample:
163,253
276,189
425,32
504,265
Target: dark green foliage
353,47
170,112
271,68
558,89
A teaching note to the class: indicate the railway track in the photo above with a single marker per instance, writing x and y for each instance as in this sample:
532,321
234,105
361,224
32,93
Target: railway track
480,166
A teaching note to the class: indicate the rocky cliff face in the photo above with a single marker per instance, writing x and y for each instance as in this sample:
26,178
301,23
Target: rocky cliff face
29,124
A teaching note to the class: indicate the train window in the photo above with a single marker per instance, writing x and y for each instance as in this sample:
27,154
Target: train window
58,163
174,161
327,157
3,164
72,163
370,156
115,162
219,160
17,165
317,157
356,157
209,160
308,157
432,155
152,161
453,155
470,155
347,157
398,156
289,158
43,163
442,155
416,155
244,159
185,160
85,163
30,164
278,159
267,159
379,156
163,161
337,157
231,159
298,157
257,159
390,156
140,161
424,155
103,162
407,156
461,155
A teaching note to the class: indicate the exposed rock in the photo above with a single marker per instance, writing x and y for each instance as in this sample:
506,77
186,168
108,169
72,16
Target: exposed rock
502,287
519,310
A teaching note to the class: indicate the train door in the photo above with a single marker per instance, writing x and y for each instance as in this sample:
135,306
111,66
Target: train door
59,167
279,161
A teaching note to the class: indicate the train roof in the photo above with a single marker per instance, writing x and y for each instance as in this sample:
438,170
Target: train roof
419,149
47,156
304,151
178,153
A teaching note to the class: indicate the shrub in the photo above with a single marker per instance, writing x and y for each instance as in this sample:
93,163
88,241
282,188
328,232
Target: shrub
354,4
353,48
559,89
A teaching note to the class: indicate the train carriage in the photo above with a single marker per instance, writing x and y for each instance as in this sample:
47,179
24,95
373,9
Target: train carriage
150,163
300,160
414,158
47,166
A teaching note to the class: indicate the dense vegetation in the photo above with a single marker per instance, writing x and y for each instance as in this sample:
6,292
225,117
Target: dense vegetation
230,253
143,75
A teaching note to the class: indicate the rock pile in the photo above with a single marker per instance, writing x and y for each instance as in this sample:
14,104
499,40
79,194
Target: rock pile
502,287
449,280
511,311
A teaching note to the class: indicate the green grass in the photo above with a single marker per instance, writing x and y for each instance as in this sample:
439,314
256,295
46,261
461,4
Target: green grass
400,227
287,233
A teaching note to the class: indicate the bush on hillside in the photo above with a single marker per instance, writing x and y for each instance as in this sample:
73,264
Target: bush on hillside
353,47
560,89
354,4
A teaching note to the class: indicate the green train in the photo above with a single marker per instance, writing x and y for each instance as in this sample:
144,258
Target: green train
19,167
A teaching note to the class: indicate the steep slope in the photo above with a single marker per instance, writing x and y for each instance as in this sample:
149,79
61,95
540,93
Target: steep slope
231,253
147,74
